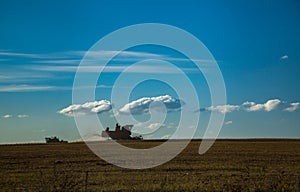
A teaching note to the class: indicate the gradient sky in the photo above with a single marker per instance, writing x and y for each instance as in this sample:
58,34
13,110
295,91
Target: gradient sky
256,44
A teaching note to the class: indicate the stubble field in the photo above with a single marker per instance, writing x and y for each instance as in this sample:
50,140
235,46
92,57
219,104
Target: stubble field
230,165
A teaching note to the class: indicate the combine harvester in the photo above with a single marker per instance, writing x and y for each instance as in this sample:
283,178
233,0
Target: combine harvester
120,133
54,140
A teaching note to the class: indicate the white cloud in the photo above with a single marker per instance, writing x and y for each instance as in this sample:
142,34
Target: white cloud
146,127
155,125
7,116
165,137
292,107
251,106
139,106
23,116
268,106
272,104
86,108
223,108
228,122
284,57
142,105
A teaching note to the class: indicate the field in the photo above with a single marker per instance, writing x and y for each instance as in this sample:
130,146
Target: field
230,165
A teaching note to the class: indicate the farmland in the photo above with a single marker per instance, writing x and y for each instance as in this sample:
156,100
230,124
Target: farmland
230,165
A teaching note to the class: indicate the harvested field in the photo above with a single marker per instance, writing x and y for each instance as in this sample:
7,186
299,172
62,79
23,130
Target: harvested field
230,165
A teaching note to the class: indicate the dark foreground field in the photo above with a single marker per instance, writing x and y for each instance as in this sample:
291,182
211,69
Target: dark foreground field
230,165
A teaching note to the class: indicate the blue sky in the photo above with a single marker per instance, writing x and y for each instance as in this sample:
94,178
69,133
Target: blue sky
256,44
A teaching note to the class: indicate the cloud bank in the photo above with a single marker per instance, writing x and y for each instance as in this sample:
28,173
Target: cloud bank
139,106
166,103
251,106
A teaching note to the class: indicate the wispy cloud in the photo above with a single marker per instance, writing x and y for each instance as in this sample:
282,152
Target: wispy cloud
15,54
74,57
93,57
34,88
17,77
59,61
113,69
27,88
75,54
69,56
110,53
90,87
46,66
52,55
3,77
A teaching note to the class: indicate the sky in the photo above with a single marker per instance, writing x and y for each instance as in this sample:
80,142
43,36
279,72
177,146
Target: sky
255,43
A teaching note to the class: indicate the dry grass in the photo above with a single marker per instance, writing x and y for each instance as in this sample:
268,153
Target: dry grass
230,165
